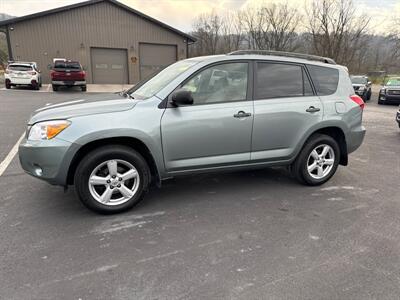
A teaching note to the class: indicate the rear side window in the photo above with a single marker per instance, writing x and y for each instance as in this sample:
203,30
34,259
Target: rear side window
19,68
325,79
275,80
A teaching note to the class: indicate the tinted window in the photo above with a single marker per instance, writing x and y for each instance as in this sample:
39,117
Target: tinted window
220,83
325,79
281,80
20,68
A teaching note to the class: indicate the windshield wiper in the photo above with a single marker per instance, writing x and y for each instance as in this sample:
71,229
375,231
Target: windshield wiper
125,94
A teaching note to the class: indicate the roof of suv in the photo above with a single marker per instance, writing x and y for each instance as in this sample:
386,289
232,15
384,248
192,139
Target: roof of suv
272,55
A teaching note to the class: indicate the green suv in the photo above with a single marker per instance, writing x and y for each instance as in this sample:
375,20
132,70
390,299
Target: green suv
243,110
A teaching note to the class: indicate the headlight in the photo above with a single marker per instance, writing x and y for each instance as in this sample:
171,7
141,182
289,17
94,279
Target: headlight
47,130
383,91
362,88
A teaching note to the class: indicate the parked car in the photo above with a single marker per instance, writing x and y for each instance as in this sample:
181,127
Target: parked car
390,91
362,86
23,73
68,73
262,110
398,117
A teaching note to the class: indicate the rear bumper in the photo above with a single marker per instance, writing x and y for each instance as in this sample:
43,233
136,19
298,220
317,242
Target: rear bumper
22,81
355,138
68,82
47,160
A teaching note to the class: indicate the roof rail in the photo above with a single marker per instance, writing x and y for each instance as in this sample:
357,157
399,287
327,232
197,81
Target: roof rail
285,54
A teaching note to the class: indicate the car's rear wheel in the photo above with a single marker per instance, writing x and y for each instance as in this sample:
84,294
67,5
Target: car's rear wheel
8,86
55,88
317,161
83,88
112,179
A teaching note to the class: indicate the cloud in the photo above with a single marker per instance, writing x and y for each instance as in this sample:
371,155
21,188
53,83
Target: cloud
182,13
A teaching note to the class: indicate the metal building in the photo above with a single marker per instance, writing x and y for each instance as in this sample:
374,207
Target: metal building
113,42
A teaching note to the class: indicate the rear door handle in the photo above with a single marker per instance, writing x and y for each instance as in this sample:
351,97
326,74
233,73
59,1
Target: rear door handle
312,109
242,114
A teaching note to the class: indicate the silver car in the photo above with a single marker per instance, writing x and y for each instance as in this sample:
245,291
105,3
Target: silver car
243,110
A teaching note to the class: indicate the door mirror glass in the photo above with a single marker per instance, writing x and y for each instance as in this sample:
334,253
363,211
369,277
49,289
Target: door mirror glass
182,97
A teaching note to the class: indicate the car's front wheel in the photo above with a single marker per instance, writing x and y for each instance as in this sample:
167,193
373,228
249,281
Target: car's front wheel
317,161
112,179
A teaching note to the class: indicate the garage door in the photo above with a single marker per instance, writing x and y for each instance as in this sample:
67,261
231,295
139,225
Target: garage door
109,66
154,58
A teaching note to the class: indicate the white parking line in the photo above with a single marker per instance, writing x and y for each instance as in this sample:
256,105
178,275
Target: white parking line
5,163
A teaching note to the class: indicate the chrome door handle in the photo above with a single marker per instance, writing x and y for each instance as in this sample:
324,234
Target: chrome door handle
242,114
312,109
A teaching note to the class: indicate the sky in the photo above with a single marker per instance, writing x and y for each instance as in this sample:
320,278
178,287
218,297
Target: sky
182,13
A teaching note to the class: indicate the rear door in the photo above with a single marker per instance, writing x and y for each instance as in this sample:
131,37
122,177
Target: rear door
216,130
285,108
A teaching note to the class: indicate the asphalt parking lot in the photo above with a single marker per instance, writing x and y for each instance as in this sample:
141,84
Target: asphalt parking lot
243,235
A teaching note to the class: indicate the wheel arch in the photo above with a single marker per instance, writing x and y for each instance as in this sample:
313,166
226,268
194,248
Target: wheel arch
131,142
337,134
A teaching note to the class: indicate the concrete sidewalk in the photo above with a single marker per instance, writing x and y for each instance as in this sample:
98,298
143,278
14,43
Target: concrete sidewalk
91,88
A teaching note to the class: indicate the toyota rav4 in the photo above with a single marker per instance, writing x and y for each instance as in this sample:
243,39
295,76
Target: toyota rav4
243,110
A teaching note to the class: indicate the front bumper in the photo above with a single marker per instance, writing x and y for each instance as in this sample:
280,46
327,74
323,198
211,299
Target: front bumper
68,82
389,98
48,160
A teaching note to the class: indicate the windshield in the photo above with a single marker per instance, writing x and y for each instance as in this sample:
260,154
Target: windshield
393,82
358,80
153,85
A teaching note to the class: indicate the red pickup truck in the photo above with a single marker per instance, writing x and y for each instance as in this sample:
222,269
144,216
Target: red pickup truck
68,73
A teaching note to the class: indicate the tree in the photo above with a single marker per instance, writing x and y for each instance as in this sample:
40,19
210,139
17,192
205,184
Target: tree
272,27
207,31
337,31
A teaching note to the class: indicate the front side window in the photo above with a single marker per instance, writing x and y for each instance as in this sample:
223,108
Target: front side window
276,80
219,83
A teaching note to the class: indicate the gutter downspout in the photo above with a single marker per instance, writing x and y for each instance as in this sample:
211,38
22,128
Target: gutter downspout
10,55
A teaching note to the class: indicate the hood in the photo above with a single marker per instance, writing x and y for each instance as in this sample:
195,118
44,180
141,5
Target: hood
391,87
358,84
92,104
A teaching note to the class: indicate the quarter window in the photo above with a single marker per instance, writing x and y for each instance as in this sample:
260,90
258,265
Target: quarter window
219,83
275,80
325,79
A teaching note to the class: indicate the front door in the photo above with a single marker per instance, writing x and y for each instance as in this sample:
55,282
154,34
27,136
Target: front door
285,109
216,130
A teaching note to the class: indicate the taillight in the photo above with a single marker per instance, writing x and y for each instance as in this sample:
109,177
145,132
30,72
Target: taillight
358,100
52,72
32,73
82,73
8,71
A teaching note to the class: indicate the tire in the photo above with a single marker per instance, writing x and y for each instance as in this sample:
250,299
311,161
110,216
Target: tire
124,159
369,95
36,87
83,88
381,102
8,86
306,159
55,88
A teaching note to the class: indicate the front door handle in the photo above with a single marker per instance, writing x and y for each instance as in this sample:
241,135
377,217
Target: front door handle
312,109
242,114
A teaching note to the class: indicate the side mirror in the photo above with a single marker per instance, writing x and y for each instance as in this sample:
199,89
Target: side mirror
182,97
369,82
